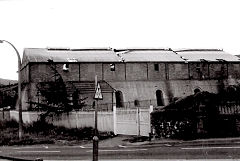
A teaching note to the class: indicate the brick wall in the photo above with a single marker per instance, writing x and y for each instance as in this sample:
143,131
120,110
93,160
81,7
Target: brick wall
218,70
118,74
27,95
146,90
148,79
178,71
234,70
41,73
136,71
107,98
72,74
89,70
153,74
199,70
132,71
25,74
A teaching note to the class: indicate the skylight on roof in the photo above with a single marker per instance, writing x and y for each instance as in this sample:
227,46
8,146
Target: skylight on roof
72,60
58,48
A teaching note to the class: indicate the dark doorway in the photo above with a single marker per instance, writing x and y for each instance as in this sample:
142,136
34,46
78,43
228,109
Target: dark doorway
159,96
119,99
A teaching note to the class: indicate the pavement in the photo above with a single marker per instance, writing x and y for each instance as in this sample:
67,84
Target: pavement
124,141
161,160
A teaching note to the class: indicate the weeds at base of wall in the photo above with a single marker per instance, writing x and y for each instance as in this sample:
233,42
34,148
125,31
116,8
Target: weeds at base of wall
45,133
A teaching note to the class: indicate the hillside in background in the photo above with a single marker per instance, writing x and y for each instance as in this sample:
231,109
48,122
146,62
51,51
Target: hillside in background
7,81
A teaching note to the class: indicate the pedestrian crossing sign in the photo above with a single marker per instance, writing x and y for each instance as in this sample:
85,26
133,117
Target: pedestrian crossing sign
98,93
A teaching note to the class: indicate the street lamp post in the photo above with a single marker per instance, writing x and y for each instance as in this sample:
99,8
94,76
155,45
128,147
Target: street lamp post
19,89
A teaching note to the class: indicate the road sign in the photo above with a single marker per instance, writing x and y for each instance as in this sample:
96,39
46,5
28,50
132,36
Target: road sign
98,93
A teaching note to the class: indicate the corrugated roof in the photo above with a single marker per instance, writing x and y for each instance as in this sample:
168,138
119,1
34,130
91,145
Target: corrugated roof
100,55
151,55
214,55
124,55
81,55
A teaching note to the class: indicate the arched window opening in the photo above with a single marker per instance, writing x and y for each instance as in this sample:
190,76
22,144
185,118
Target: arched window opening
159,96
119,99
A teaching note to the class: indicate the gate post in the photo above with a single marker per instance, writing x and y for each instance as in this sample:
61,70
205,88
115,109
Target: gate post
76,119
151,109
150,125
114,120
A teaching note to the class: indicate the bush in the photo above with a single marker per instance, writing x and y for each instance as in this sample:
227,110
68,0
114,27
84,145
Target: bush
8,124
173,124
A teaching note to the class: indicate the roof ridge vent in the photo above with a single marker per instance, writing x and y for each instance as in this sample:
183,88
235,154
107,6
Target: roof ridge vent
92,48
58,48
186,50
143,49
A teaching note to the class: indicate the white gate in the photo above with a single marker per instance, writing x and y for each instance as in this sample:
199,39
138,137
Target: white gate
132,121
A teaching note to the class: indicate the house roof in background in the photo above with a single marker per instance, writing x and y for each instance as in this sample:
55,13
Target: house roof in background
213,55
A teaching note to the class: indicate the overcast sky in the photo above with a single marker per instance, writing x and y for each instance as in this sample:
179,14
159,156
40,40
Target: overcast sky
116,24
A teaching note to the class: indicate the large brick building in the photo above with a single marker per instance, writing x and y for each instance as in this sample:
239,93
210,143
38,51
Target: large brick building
140,76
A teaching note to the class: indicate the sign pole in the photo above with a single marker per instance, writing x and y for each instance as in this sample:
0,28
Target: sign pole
95,138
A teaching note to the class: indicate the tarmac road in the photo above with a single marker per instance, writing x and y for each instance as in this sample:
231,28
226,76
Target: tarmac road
158,150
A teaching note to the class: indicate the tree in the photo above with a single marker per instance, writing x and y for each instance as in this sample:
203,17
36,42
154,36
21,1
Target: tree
8,96
56,100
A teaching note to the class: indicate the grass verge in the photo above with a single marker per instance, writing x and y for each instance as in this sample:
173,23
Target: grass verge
45,133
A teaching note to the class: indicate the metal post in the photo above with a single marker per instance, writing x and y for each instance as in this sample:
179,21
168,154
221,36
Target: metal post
96,119
115,120
19,89
20,100
138,120
95,138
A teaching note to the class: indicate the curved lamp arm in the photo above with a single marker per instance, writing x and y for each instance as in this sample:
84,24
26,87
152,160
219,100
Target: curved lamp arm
18,55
